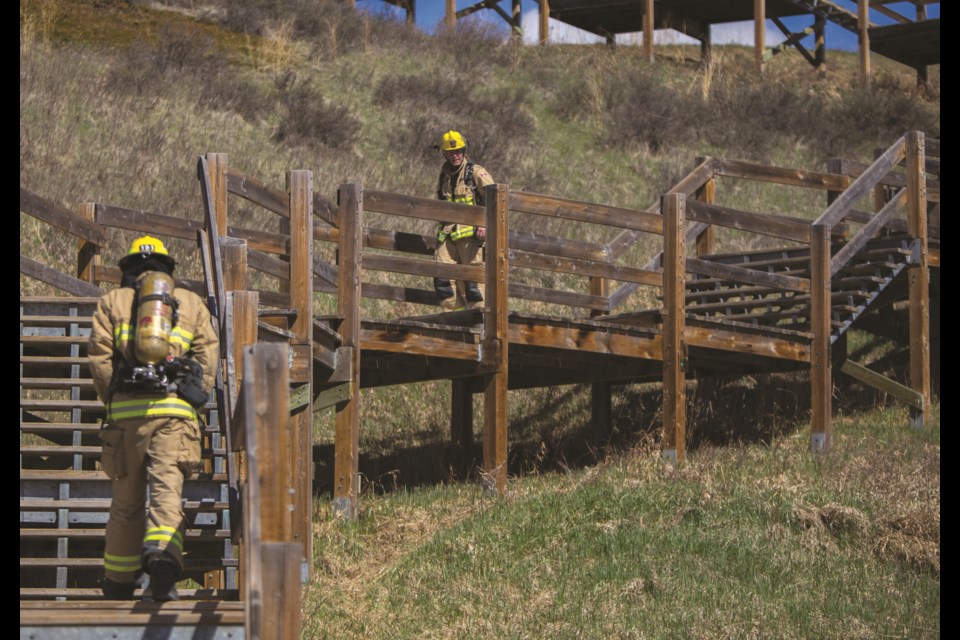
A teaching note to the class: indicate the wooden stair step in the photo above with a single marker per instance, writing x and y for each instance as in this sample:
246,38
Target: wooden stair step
56,383
55,320
59,427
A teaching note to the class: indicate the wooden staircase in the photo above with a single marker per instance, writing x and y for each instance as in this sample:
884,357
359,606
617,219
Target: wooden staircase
65,498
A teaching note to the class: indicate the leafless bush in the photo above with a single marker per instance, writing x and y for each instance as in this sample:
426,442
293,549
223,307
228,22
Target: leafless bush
308,119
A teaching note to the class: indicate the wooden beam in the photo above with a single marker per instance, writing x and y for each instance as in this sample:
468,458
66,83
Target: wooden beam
257,192
867,232
648,34
862,185
88,253
781,175
820,43
544,22
585,268
551,296
241,333
275,441
743,343
747,276
398,340
300,205
422,208
234,264
74,286
450,15
674,317
821,374
706,194
601,399
60,217
862,374
863,39
765,224
759,32
919,276
280,591
495,339
346,491
217,168
619,217
413,266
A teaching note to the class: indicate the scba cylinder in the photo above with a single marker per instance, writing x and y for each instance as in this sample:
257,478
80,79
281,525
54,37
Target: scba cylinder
154,317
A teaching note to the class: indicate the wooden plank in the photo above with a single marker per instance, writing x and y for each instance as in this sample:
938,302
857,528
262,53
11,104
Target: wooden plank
60,217
764,224
257,192
88,253
414,266
275,441
495,343
265,241
821,375
241,333
268,264
877,381
324,208
863,40
759,33
867,232
346,480
706,240
747,276
893,179
397,341
932,147
586,340
862,185
674,316
782,175
400,294
281,591
422,208
147,222
234,255
735,341
551,296
585,268
566,209
55,321
74,286
918,274
399,241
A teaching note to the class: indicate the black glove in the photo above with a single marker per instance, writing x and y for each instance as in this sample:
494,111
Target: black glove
189,381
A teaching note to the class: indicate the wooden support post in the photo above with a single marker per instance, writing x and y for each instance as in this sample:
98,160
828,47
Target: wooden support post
280,592
495,341
461,424
919,274
276,437
300,206
863,39
648,34
706,48
707,238
88,254
234,255
217,168
673,206
821,368
759,32
517,24
450,17
820,44
346,474
411,12
922,77
601,400
544,21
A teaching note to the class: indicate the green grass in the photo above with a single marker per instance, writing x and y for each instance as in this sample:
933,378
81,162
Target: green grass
764,541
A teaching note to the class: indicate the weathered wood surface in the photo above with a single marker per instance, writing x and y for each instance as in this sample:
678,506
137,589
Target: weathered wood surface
674,326
399,341
423,208
580,338
763,223
741,342
867,232
894,179
60,217
194,613
919,276
74,286
553,207
257,192
413,266
495,339
529,260
552,296
878,381
147,222
781,175
268,264
747,275
862,185
821,374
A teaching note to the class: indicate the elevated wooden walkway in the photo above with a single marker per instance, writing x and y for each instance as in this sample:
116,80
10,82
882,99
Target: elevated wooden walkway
576,292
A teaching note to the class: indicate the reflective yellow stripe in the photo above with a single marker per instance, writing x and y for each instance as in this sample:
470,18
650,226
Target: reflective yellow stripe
121,334
121,564
181,337
149,407
165,534
462,232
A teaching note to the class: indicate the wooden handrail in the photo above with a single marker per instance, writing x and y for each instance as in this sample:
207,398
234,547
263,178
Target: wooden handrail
61,217
862,185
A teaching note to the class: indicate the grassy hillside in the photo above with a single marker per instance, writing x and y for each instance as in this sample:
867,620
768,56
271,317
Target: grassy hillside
118,99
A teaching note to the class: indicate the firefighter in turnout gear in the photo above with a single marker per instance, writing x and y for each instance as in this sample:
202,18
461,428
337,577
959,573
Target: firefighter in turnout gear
460,181
153,353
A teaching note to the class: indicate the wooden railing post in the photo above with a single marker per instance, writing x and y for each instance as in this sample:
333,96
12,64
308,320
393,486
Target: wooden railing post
919,275
544,22
601,400
300,206
495,340
863,39
346,475
88,254
759,32
234,255
648,33
821,369
707,194
217,168
673,206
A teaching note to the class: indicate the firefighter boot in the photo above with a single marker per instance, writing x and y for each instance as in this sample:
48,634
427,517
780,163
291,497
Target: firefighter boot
163,580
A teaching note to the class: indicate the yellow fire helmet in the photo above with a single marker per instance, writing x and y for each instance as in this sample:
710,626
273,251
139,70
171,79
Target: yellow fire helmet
452,140
147,247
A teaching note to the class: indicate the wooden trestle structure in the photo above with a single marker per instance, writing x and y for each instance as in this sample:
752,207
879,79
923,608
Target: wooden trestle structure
786,307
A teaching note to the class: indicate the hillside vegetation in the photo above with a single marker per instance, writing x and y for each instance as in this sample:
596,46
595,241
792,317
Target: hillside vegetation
758,540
